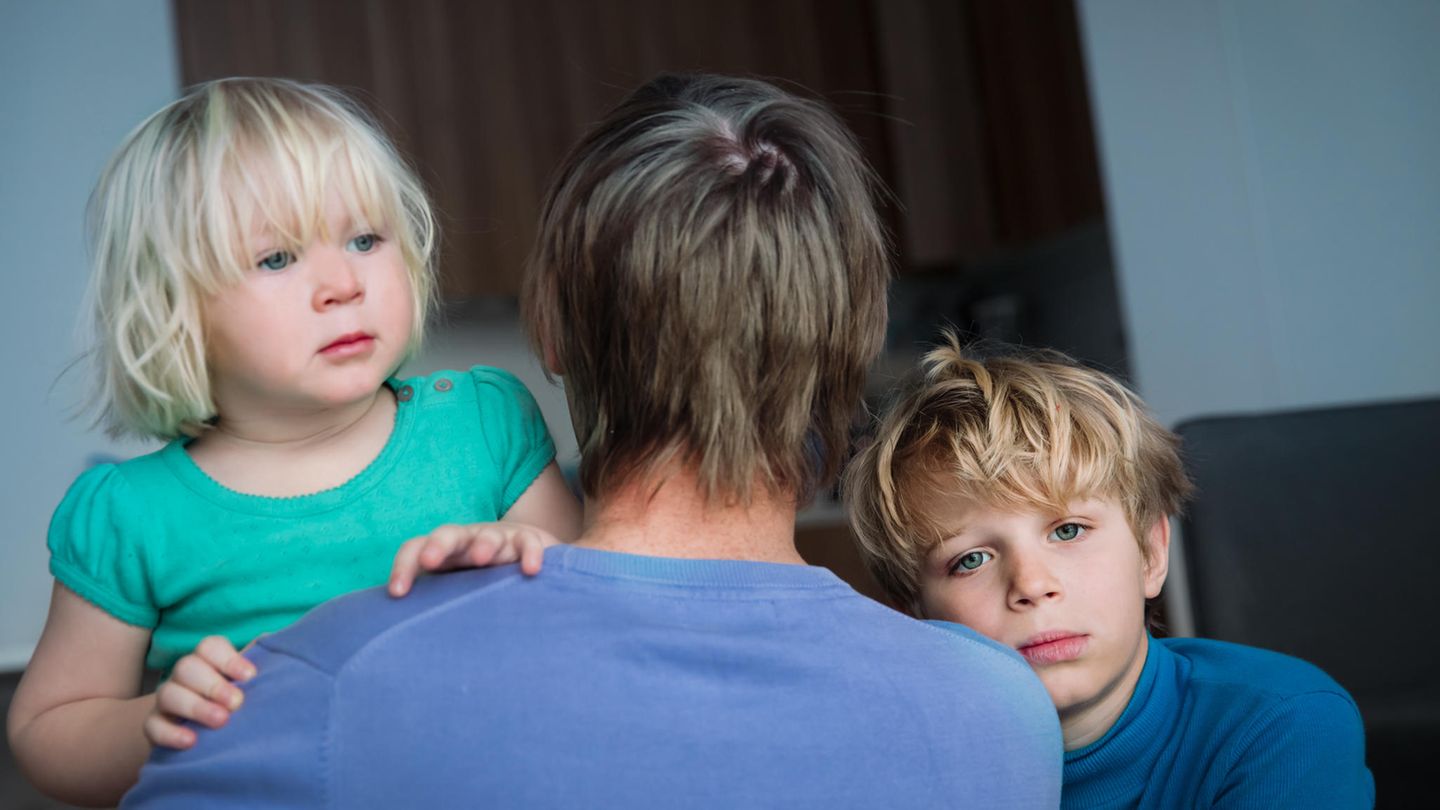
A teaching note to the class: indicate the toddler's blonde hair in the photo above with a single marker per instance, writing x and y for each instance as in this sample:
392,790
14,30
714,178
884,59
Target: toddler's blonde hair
169,217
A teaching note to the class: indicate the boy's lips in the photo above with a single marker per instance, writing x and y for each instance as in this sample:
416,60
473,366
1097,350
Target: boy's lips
349,345
1053,647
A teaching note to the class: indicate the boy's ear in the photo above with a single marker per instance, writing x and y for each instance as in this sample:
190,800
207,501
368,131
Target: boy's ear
1157,560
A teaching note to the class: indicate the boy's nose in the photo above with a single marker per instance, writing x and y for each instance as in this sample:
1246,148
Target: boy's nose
337,281
1032,583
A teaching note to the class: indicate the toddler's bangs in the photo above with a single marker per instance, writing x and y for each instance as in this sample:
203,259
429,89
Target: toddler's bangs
192,200
278,174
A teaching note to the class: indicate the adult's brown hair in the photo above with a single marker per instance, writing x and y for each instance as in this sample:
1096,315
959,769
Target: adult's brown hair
709,277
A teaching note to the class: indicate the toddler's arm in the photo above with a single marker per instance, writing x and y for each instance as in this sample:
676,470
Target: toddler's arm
78,725
546,514
75,723
548,504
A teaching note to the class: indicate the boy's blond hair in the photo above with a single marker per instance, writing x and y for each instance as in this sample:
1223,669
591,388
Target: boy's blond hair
1023,431
171,213
710,278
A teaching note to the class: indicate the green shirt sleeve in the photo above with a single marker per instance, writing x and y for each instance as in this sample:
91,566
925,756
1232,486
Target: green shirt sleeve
95,543
514,430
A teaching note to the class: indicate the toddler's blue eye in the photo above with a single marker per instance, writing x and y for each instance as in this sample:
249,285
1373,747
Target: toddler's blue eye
279,260
364,243
971,560
1068,531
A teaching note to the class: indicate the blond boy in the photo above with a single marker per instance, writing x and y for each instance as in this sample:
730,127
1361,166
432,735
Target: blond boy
1028,498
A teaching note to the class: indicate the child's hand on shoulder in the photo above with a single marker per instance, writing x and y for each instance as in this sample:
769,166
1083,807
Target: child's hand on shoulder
474,545
200,688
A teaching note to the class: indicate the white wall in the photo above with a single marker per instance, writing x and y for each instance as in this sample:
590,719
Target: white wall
74,78
1272,172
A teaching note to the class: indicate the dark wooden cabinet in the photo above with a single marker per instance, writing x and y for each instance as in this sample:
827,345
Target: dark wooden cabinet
973,112
487,96
989,125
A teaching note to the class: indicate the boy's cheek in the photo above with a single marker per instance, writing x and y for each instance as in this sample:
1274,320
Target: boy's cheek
939,600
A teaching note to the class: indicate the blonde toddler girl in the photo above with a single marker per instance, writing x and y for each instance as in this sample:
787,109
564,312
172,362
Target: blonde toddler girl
263,265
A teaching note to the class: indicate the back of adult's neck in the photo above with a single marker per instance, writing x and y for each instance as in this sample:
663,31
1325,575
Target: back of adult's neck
668,515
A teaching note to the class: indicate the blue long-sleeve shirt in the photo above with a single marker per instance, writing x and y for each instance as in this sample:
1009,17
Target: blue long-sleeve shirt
613,680
1221,725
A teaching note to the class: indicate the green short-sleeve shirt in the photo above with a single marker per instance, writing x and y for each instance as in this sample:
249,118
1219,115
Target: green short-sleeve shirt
158,544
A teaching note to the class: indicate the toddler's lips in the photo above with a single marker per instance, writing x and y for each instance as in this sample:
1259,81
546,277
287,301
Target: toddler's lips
349,345
1053,648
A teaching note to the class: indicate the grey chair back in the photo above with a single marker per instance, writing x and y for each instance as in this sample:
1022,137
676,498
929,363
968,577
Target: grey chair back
1317,533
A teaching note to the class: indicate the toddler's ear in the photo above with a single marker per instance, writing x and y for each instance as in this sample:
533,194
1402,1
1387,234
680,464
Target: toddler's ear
1157,558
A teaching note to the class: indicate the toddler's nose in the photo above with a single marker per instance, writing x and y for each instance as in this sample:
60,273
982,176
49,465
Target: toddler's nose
337,281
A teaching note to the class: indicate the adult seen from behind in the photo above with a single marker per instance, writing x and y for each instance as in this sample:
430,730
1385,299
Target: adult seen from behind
709,280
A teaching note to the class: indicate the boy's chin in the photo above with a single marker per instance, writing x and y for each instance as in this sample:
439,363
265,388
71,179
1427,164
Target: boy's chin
1071,692
1076,687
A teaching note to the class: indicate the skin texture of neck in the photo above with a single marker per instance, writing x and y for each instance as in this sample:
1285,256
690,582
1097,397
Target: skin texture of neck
247,422
667,515
1083,725
289,453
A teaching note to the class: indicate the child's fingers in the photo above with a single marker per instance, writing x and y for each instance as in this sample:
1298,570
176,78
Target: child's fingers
440,544
222,655
167,734
178,703
406,566
432,552
196,675
532,552
475,546
487,546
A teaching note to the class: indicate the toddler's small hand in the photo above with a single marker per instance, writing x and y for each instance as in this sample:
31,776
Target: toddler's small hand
199,689
475,545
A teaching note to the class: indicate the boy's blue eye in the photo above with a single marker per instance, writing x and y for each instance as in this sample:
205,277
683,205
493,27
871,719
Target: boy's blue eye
971,560
1067,531
279,260
364,243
